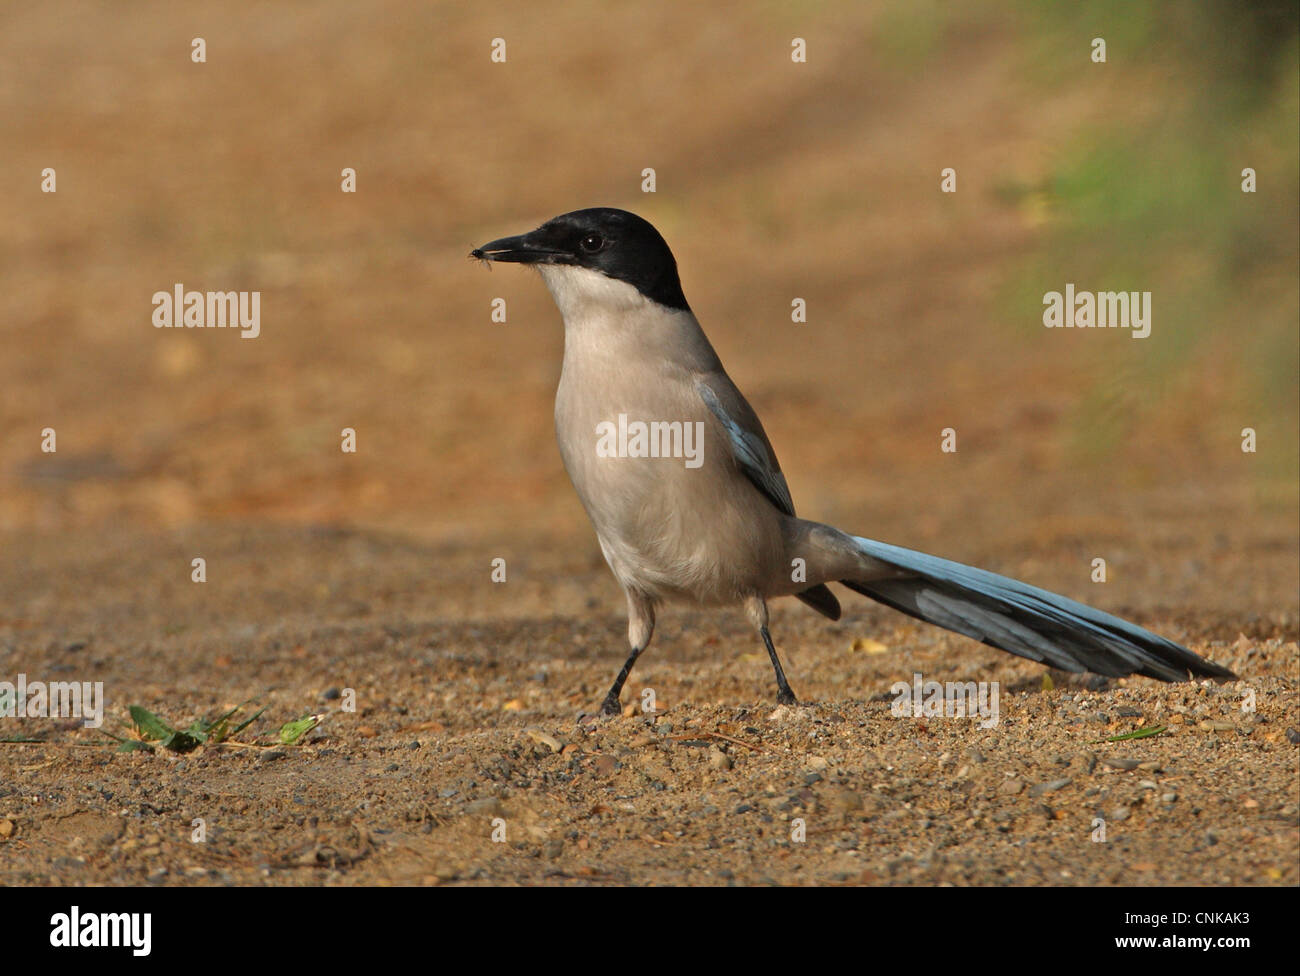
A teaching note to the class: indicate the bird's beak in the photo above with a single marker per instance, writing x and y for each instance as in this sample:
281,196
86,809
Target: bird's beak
524,249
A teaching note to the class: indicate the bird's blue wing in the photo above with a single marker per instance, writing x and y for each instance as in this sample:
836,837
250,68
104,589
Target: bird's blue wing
754,456
750,448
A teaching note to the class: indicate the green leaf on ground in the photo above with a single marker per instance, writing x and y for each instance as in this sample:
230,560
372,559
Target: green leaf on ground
1145,733
291,732
148,724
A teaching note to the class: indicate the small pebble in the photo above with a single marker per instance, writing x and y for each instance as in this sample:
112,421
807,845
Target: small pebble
604,765
1216,725
545,738
489,806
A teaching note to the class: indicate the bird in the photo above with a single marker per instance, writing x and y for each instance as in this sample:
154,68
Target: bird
641,388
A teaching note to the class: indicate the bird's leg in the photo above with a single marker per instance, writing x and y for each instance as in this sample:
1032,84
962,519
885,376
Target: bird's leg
640,626
611,705
783,693
756,610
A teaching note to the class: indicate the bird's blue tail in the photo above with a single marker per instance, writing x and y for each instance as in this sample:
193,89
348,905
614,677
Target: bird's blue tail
1029,622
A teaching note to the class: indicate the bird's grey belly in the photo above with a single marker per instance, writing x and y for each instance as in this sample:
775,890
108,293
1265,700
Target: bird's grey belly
668,529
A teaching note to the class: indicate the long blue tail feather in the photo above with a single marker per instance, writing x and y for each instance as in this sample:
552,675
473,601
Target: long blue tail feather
1025,620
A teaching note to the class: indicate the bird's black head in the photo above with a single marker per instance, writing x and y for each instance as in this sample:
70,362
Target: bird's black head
615,243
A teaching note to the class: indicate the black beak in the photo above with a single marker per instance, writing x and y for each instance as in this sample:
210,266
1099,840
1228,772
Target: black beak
524,249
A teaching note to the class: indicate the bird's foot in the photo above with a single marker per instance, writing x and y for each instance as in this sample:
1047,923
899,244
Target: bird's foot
609,708
786,697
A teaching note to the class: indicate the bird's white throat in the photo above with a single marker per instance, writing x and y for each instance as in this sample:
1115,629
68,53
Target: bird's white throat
581,292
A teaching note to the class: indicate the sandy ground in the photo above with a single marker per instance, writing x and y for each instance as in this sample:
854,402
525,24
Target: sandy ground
367,577
467,724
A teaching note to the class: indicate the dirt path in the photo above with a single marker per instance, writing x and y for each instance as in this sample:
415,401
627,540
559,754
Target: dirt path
463,721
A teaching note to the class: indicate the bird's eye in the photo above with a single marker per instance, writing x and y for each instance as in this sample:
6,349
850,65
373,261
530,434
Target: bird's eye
592,243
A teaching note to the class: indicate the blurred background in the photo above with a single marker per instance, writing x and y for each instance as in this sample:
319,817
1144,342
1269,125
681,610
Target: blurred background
775,179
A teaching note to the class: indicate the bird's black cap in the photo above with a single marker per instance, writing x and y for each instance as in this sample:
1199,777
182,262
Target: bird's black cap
617,243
